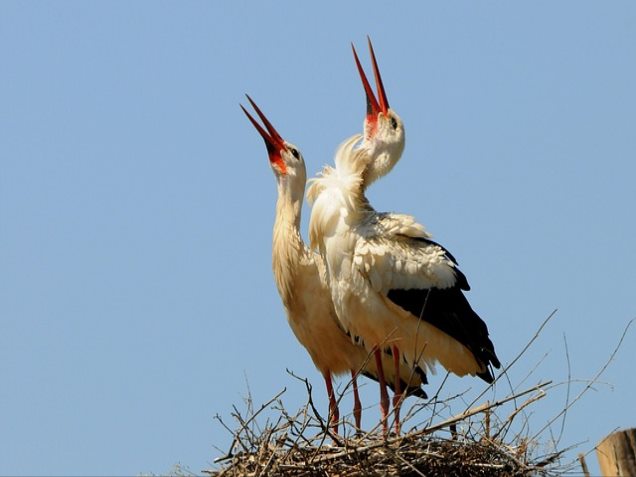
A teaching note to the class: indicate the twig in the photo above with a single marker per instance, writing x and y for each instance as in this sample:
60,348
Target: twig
325,427
408,464
238,433
436,397
529,401
479,409
532,370
567,394
264,470
228,455
512,363
596,376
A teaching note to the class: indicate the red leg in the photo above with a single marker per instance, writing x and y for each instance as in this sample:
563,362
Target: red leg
357,405
384,397
333,405
397,395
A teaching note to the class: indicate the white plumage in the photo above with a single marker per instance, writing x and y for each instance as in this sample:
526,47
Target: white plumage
369,255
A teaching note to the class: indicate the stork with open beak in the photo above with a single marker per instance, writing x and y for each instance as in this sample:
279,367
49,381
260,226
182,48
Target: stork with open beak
300,278
393,288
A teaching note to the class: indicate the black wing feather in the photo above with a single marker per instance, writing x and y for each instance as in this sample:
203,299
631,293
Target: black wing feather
448,310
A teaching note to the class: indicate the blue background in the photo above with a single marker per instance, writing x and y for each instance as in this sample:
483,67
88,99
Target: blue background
136,205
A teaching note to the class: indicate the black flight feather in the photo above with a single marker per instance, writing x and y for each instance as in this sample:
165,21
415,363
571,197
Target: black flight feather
449,311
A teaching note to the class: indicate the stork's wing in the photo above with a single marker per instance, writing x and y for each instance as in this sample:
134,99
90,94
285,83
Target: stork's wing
398,261
422,278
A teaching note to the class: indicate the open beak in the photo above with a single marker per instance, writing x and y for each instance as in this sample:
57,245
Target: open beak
374,105
384,102
273,141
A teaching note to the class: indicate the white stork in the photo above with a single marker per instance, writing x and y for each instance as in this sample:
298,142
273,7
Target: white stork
392,287
300,278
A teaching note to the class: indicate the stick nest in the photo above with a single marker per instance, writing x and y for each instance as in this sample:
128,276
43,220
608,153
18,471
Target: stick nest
303,445
409,456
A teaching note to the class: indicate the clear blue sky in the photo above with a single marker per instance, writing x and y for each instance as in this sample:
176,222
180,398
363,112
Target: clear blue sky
136,204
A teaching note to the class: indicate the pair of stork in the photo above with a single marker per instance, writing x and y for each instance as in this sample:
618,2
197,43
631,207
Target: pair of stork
373,294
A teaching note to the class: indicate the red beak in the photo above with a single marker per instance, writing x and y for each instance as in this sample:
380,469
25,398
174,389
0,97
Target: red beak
374,107
384,102
273,141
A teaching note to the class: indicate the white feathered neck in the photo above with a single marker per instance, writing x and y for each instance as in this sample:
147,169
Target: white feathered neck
338,192
288,248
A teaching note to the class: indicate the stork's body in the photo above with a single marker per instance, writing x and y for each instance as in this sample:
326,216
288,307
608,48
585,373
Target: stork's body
391,286
390,283
300,276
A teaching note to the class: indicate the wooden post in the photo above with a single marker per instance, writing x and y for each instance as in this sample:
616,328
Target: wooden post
617,454
586,471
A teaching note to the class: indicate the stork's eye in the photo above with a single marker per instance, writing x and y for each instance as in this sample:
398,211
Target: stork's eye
295,153
393,123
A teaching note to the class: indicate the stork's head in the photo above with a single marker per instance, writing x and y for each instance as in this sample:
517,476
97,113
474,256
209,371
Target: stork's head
285,159
383,129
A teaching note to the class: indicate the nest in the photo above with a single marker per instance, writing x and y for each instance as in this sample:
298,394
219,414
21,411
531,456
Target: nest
410,456
303,445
